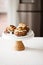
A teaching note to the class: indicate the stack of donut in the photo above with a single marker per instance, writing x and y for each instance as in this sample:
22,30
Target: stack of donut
21,30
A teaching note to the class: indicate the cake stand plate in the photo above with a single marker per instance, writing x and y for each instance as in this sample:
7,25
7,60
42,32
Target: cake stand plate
30,34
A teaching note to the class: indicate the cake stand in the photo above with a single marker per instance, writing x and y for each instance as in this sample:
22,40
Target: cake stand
15,38
30,34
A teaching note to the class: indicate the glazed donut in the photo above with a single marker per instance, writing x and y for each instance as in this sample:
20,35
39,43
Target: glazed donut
20,32
9,29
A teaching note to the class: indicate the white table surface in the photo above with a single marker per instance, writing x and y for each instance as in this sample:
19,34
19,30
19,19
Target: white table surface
32,55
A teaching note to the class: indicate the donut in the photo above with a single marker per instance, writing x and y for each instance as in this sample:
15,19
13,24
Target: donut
20,32
9,29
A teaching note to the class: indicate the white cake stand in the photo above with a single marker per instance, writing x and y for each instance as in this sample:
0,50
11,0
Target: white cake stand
30,34
15,38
